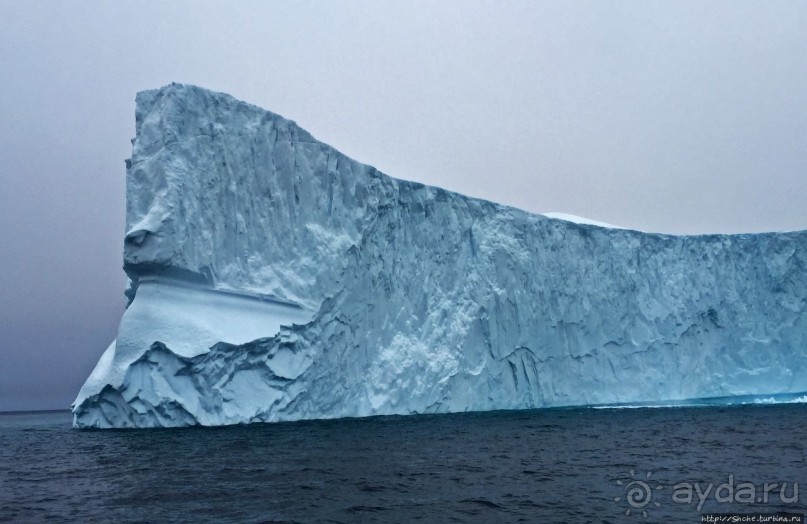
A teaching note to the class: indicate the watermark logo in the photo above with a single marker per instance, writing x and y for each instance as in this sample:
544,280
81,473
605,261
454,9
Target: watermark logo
730,492
638,493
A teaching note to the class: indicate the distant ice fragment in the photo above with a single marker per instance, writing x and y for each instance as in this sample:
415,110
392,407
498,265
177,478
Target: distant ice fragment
580,220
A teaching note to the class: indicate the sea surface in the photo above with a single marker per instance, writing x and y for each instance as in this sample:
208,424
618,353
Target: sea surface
546,466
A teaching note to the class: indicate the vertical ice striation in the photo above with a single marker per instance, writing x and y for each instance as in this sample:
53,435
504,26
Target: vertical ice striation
273,278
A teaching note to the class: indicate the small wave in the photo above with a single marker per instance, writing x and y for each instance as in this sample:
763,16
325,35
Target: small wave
772,400
363,509
483,502
645,406
711,402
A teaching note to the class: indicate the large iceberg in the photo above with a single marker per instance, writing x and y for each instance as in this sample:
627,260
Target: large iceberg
273,278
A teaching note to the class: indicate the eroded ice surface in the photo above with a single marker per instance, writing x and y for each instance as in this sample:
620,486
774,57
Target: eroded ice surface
274,278
189,319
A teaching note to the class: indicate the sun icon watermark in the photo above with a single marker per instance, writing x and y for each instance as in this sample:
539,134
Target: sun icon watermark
638,493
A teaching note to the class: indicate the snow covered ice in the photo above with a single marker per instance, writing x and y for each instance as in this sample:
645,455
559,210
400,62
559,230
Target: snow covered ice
273,278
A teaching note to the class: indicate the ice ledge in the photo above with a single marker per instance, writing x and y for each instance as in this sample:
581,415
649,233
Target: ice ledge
191,319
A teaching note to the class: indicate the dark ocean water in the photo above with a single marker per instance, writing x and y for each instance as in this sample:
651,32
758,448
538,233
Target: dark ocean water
560,465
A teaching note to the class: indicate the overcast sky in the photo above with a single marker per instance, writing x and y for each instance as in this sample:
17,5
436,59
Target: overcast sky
680,117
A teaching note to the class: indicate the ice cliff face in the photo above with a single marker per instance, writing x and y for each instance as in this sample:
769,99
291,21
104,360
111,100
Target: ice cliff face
273,278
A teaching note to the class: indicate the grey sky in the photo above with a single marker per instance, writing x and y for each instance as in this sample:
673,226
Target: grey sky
682,117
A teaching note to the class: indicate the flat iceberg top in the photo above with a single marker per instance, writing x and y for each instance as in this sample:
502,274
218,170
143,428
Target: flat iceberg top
274,278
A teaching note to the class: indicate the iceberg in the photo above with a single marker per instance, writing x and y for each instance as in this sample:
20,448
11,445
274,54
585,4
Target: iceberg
272,278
